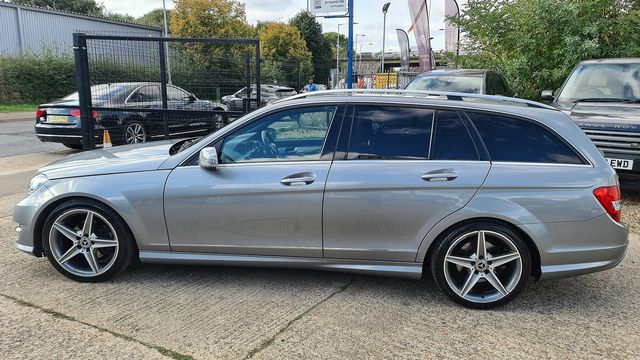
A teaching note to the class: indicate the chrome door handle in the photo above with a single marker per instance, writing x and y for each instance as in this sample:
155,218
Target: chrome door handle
298,181
448,176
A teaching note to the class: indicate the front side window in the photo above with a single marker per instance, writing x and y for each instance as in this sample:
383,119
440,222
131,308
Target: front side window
290,135
386,132
517,140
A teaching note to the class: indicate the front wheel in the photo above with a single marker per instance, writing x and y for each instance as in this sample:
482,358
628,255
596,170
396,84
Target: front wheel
86,241
481,265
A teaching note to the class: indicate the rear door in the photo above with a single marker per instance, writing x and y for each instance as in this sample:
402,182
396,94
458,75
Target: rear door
397,172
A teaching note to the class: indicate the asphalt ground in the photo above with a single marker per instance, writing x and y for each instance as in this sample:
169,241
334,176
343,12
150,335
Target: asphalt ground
184,312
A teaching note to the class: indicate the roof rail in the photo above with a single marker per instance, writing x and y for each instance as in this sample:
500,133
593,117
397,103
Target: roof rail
423,94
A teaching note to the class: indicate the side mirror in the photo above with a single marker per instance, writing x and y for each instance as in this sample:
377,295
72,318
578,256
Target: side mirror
546,95
208,158
191,98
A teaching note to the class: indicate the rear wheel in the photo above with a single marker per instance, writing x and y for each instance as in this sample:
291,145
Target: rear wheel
481,265
86,241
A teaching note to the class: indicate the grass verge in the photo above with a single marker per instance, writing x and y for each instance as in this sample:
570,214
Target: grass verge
7,108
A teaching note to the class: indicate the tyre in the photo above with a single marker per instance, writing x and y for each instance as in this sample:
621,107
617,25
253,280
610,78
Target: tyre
73,146
134,132
87,242
481,265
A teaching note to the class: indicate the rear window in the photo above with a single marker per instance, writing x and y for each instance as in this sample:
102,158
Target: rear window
451,140
460,84
517,140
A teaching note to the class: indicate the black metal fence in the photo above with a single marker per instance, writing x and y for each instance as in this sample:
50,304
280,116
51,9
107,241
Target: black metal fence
148,88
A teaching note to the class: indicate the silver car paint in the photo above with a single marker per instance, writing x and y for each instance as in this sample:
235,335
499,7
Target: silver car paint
568,227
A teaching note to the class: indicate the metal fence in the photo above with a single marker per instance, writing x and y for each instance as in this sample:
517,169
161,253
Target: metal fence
163,87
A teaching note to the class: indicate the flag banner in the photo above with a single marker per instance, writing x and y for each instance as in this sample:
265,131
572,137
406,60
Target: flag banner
420,26
405,53
451,31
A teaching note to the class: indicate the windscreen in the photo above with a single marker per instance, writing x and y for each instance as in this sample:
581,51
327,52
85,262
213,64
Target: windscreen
602,82
461,84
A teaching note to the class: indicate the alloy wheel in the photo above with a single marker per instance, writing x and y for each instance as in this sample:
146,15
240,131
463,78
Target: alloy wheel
83,242
482,266
135,133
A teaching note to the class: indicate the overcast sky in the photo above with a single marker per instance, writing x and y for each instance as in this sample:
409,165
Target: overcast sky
367,14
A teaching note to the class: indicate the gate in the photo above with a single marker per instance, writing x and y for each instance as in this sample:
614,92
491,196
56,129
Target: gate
150,88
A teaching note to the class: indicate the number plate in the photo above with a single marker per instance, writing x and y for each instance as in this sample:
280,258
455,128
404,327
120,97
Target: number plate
57,119
622,164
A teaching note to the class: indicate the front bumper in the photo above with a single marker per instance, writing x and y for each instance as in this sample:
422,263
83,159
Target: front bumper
25,214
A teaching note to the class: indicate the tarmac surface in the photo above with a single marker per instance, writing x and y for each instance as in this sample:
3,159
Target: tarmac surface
184,312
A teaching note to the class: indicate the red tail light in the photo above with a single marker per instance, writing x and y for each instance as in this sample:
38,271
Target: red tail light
76,113
40,113
609,198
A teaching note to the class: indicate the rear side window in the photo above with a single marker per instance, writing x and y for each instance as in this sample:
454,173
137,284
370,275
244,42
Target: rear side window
386,132
451,140
516,140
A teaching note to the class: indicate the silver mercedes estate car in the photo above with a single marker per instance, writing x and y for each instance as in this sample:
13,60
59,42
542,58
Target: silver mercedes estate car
485,193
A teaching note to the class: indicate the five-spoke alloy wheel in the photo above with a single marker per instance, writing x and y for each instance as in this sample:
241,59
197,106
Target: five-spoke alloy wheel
86,241
481,265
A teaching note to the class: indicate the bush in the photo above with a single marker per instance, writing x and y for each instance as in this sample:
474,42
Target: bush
36,78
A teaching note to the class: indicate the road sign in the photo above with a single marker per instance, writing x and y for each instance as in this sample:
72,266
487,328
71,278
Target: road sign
328,7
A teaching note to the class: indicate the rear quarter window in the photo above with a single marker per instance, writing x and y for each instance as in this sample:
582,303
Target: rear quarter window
512,139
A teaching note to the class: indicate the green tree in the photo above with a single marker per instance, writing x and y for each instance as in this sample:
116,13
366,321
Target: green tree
321,53
332,39
155,18
86,7
284,50
536,43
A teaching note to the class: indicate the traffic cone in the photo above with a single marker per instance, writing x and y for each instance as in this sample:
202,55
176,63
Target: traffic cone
106,139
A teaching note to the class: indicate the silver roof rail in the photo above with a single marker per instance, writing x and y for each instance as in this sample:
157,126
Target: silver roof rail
423,94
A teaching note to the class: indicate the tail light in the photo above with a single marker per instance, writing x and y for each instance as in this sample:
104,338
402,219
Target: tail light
609,198
40,113
76,113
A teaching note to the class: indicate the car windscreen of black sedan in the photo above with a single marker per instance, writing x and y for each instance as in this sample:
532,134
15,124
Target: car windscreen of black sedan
59,121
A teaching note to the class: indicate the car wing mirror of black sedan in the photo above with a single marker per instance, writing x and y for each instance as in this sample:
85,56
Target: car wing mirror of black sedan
191,98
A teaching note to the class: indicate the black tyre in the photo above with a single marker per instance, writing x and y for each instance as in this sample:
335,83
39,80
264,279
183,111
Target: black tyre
87,241
481,265
73,146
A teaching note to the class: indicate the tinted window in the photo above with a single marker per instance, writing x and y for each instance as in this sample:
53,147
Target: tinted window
146,94
390,133
462,84
451,140
511,139
289,135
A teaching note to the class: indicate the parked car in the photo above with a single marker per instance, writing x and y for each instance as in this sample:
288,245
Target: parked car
483,196
268,93
603,98
462,81
62,125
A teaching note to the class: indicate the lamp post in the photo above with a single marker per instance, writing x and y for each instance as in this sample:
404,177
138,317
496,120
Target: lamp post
356,37
338,53
385,7
360,61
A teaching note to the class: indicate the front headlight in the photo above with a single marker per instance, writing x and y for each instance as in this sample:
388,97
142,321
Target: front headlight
35,183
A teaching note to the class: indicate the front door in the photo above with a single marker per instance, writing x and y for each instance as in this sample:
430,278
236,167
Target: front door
265,197
398,176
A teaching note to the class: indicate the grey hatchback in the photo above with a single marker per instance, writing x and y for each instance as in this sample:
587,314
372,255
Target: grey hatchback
486,194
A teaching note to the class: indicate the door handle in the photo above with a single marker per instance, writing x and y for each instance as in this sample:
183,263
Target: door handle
441,176
298,180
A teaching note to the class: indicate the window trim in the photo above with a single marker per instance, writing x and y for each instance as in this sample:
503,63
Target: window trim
557,135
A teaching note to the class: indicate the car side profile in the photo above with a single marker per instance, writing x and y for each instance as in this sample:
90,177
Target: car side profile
484,196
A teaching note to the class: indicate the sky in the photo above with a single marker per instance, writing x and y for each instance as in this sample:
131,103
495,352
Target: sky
367,13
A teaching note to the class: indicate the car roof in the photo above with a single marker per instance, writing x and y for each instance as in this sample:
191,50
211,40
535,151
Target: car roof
456,72
611,61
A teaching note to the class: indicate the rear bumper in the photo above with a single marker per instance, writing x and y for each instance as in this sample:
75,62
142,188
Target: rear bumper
66,134
575,248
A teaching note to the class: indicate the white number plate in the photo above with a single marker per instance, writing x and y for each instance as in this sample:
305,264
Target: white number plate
621,163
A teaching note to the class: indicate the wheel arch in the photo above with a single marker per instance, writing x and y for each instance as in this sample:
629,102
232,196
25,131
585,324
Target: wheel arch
533,248
44,213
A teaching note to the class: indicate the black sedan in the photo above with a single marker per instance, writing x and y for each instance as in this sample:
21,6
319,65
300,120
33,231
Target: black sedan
136,122
268,93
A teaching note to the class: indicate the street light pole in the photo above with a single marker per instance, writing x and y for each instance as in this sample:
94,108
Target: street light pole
338,53
360,61
356,47
385,7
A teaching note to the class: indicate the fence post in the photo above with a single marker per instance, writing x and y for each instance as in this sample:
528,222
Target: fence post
258,77
163,85
87,127
247,68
